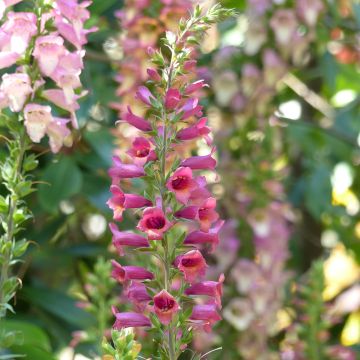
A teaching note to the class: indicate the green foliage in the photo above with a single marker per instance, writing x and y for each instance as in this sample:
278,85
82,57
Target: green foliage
123,346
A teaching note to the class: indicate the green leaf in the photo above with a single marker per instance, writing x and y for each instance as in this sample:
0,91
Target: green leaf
102,143
58,304
27,334
65,179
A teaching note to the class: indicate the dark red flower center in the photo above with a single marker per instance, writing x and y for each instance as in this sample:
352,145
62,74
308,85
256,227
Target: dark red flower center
164,304
190,262
180,182
142,152
203,213
155,222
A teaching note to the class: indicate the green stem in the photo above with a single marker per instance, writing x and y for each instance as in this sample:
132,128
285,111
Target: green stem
10,226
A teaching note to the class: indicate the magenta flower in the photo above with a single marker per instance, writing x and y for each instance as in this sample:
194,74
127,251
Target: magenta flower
200,162
125,171
120,201
145,95
200,237
212,289
122,238
181,183
195,86
165,307
137,121
191,108
141,151
205,315
172,99
153,74
130,319
195,131
177,194
192,265
125,273
154,223
136,292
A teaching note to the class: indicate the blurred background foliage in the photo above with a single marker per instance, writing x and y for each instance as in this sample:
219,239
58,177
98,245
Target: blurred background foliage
65,300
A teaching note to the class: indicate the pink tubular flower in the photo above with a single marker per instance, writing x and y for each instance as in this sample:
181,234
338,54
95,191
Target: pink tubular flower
17,88
205,162
136,121
165,307
47,52
125,171
144,95
213,289
121,238
194,131
130,319
181,183
141,151
137,294
191,108
206,315
154,223
192,264
154,75
125,273
207,214
120,201
20,27
195,86
200,237
284,25
37,119
172,99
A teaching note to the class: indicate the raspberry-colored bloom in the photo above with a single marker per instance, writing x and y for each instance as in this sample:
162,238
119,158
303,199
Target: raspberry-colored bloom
145,95
136,121
205,213
125,273
130,319
136,292
195,131
141,151
120,201
165,307
154,223
125,171
192,265
172,99
191,108
206,315
195,86
181,183
209,288
200,237
205,162
153,74
122,238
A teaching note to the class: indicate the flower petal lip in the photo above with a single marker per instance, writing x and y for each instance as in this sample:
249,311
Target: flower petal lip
165,307
125,273
130,319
